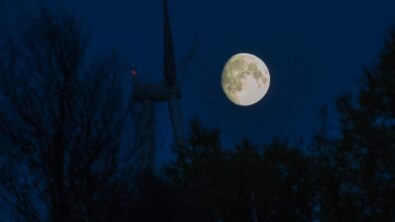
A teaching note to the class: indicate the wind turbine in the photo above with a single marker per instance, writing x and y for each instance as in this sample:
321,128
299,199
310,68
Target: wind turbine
168,90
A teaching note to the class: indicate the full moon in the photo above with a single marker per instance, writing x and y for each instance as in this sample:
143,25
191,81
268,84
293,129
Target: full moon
245,79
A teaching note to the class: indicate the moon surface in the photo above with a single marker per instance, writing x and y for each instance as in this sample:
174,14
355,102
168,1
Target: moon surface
245,79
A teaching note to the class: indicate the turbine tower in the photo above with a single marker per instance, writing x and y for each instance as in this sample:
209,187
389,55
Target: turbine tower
165,91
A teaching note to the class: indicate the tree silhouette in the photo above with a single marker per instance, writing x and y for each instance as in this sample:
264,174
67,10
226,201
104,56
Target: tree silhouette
63,116
356,173
243,184
287,190
199,166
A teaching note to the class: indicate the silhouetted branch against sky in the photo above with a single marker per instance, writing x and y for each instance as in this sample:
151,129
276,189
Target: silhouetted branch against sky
63,118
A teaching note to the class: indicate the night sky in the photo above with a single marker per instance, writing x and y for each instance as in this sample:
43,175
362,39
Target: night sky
315,50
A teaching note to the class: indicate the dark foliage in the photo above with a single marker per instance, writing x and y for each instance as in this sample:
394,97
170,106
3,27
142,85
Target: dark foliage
62,119
357,171
243,184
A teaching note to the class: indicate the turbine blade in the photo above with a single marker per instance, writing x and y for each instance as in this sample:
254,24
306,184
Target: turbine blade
169,61
176,120
146,134
183,65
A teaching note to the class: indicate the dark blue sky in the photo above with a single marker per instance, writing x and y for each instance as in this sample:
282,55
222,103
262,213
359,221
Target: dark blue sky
314,51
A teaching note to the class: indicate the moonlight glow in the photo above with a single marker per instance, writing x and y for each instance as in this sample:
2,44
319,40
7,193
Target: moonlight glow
245,79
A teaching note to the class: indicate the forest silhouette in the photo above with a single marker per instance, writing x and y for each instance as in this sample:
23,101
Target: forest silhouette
65,121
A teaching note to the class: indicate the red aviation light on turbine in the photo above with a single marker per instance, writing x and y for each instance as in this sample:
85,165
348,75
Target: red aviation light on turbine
133,72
